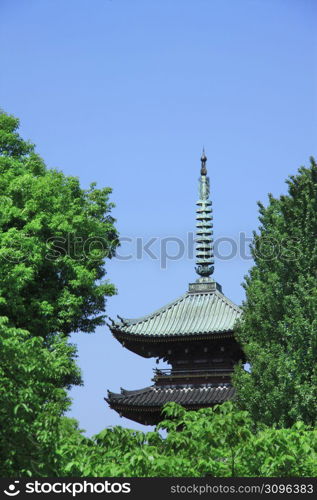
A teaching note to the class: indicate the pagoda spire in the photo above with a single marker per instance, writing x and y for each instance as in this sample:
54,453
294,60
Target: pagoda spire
204,240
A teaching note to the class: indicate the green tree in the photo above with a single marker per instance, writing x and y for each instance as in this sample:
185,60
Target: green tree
216,442
279,327
33,398
54,237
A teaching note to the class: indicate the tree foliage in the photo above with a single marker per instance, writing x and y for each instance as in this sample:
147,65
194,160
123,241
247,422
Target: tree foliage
54,237
279,326
219,442
33,378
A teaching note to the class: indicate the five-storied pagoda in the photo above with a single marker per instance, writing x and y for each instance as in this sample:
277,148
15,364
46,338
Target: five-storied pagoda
194,334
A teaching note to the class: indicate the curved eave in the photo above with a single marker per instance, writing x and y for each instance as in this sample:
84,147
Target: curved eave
192,316
153,398
132,408
122,336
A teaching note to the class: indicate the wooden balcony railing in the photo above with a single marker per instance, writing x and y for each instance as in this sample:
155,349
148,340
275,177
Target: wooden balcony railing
170,373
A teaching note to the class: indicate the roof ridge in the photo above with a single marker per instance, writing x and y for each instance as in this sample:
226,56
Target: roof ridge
157,312
125,392
228,301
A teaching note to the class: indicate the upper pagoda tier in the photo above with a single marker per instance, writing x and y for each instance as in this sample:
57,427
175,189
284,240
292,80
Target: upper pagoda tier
202,313
194,334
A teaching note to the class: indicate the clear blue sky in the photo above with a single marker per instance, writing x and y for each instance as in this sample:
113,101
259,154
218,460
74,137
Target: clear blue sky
125,93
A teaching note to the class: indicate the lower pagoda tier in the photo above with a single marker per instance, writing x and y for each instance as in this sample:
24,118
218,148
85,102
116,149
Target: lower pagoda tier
195,336
145,405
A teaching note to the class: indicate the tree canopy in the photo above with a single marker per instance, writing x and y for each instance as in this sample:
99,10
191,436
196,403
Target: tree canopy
216,442
54,237
279,327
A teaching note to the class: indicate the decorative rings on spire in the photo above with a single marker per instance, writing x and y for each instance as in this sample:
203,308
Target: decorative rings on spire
204,225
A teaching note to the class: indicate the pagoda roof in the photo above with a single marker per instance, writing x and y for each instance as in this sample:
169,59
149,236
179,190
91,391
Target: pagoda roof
203,310
189,396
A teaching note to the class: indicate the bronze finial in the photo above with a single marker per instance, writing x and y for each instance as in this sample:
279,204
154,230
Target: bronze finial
203,159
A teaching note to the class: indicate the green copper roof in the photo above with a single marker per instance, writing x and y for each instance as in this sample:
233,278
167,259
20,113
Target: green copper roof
202,310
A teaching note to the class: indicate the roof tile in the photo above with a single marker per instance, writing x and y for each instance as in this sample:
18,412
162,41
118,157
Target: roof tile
190,314
185,395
